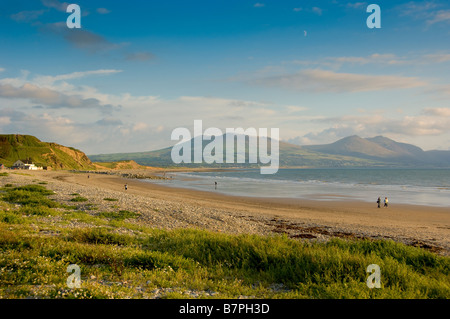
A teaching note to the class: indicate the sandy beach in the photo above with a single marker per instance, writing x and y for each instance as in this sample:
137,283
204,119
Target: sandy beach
169,208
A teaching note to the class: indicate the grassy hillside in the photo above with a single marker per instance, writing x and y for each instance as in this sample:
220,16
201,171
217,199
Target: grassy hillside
119,165
120,258
27,147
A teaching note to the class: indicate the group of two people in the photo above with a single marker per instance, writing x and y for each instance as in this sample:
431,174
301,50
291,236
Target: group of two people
385,202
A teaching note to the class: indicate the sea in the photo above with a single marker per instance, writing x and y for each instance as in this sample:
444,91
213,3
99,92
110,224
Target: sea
429,187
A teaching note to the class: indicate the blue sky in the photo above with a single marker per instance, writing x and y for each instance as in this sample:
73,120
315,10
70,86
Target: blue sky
138,69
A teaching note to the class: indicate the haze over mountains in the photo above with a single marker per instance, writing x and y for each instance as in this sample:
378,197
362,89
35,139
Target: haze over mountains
352,151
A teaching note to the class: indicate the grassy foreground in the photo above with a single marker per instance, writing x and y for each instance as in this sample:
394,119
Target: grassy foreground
119,258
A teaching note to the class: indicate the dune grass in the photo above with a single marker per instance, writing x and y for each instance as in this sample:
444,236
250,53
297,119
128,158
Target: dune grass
79,199
120,215
120,258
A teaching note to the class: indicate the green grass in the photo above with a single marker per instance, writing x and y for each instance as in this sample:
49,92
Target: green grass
4,174
29,195
110,199
120,215
79,199
120,258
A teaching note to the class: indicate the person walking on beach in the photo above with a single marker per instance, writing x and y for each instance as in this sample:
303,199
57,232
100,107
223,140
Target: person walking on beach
379,202
215,185
126,186
386,202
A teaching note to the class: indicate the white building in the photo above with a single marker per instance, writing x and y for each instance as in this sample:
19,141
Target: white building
32,167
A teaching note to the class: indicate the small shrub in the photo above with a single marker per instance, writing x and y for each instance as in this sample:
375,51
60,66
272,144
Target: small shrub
79,199
120,215
35,189
100,236
38,211
31,195
10,218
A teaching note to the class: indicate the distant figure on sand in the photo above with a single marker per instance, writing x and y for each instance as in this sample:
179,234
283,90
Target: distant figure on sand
215,185
126,186
385,202
379,202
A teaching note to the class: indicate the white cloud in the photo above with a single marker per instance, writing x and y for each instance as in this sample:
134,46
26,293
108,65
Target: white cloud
4,120
317,10
52,108
103,11
140,127
109,121
49,97
329,81
436,58
27,16
356,5
429,11
440,16
55,4
427,126
259,5
139,56
438,111
295,109
49,80
376,58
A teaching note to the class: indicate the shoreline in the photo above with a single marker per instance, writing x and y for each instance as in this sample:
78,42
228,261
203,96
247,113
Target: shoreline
322,191
338,199
170,207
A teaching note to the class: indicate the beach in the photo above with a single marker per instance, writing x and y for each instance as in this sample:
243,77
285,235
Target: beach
165,207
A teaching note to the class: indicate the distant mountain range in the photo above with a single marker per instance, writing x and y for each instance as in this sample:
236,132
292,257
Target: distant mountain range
352,151
384,150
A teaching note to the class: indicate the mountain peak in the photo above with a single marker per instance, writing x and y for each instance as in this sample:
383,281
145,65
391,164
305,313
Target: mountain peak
401,149
354,146
352,137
